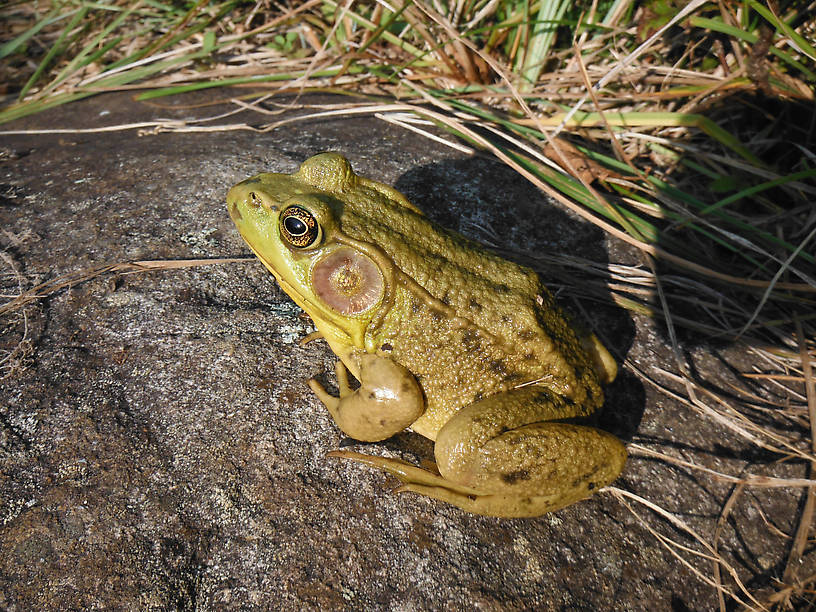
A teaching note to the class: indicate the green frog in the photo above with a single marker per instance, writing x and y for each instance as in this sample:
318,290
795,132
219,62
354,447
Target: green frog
445,338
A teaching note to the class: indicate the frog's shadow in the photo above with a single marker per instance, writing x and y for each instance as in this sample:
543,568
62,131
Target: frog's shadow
488,202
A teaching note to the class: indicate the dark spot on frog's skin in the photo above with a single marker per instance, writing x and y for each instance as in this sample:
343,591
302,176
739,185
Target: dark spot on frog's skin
525,334
512,377
498,367
470,339
372,396
437,315
517,476
445,299
502,288
586,478
530,357
474,305
505,319
415,306
478,398
386,347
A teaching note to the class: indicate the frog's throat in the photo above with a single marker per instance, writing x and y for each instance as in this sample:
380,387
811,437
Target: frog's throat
328,330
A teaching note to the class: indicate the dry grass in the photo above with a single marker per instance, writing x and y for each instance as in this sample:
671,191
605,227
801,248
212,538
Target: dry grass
687,134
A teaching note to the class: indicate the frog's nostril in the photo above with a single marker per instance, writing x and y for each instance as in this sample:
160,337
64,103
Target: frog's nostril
253,199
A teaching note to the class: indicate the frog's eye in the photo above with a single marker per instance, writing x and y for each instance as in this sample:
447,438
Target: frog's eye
299,228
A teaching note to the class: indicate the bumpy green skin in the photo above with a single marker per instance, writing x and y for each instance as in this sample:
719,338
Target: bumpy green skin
456,343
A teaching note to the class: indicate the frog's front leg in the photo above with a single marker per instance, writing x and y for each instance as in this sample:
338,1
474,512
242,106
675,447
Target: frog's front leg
389,399
509,455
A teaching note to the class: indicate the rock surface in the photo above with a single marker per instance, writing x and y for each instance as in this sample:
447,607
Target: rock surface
160,449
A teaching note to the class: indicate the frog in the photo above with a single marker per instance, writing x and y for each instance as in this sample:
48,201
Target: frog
446,339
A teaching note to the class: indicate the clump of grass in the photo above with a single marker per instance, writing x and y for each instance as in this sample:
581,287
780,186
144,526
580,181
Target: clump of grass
684,129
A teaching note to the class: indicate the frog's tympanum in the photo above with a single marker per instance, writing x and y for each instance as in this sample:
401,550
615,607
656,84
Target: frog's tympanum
446,339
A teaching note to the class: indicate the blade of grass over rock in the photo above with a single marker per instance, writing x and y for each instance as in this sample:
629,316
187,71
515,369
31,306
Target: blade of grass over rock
271,78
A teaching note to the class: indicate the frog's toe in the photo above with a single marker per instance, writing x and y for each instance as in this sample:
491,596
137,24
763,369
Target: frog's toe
331,402
507,506
409,475
315,335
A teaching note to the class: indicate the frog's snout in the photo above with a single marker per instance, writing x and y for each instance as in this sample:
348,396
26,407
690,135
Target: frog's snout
242,196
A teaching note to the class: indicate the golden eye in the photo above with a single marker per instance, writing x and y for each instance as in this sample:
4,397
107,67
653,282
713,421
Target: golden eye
298,227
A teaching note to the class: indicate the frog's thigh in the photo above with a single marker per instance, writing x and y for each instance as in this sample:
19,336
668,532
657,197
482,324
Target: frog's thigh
506,448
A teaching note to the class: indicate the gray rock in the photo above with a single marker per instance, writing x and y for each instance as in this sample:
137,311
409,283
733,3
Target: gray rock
160,449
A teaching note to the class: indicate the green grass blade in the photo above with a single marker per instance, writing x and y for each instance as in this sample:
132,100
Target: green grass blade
57,48
715,25
802,45
386,35
13,45
81,60
746,229
547,21
758,188
658,119
262,78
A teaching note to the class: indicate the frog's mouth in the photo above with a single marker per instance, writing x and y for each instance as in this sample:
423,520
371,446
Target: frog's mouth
234,213
330,330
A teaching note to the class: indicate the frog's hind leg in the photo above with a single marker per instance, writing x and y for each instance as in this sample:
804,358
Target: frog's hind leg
522,461
505,456
417,480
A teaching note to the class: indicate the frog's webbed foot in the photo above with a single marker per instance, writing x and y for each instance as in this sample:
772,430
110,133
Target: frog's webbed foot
417,480
408,474
388,400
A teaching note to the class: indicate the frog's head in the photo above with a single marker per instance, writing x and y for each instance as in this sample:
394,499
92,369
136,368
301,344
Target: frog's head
291,222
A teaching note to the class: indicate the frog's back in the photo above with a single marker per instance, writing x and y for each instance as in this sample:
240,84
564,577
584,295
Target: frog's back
464,321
